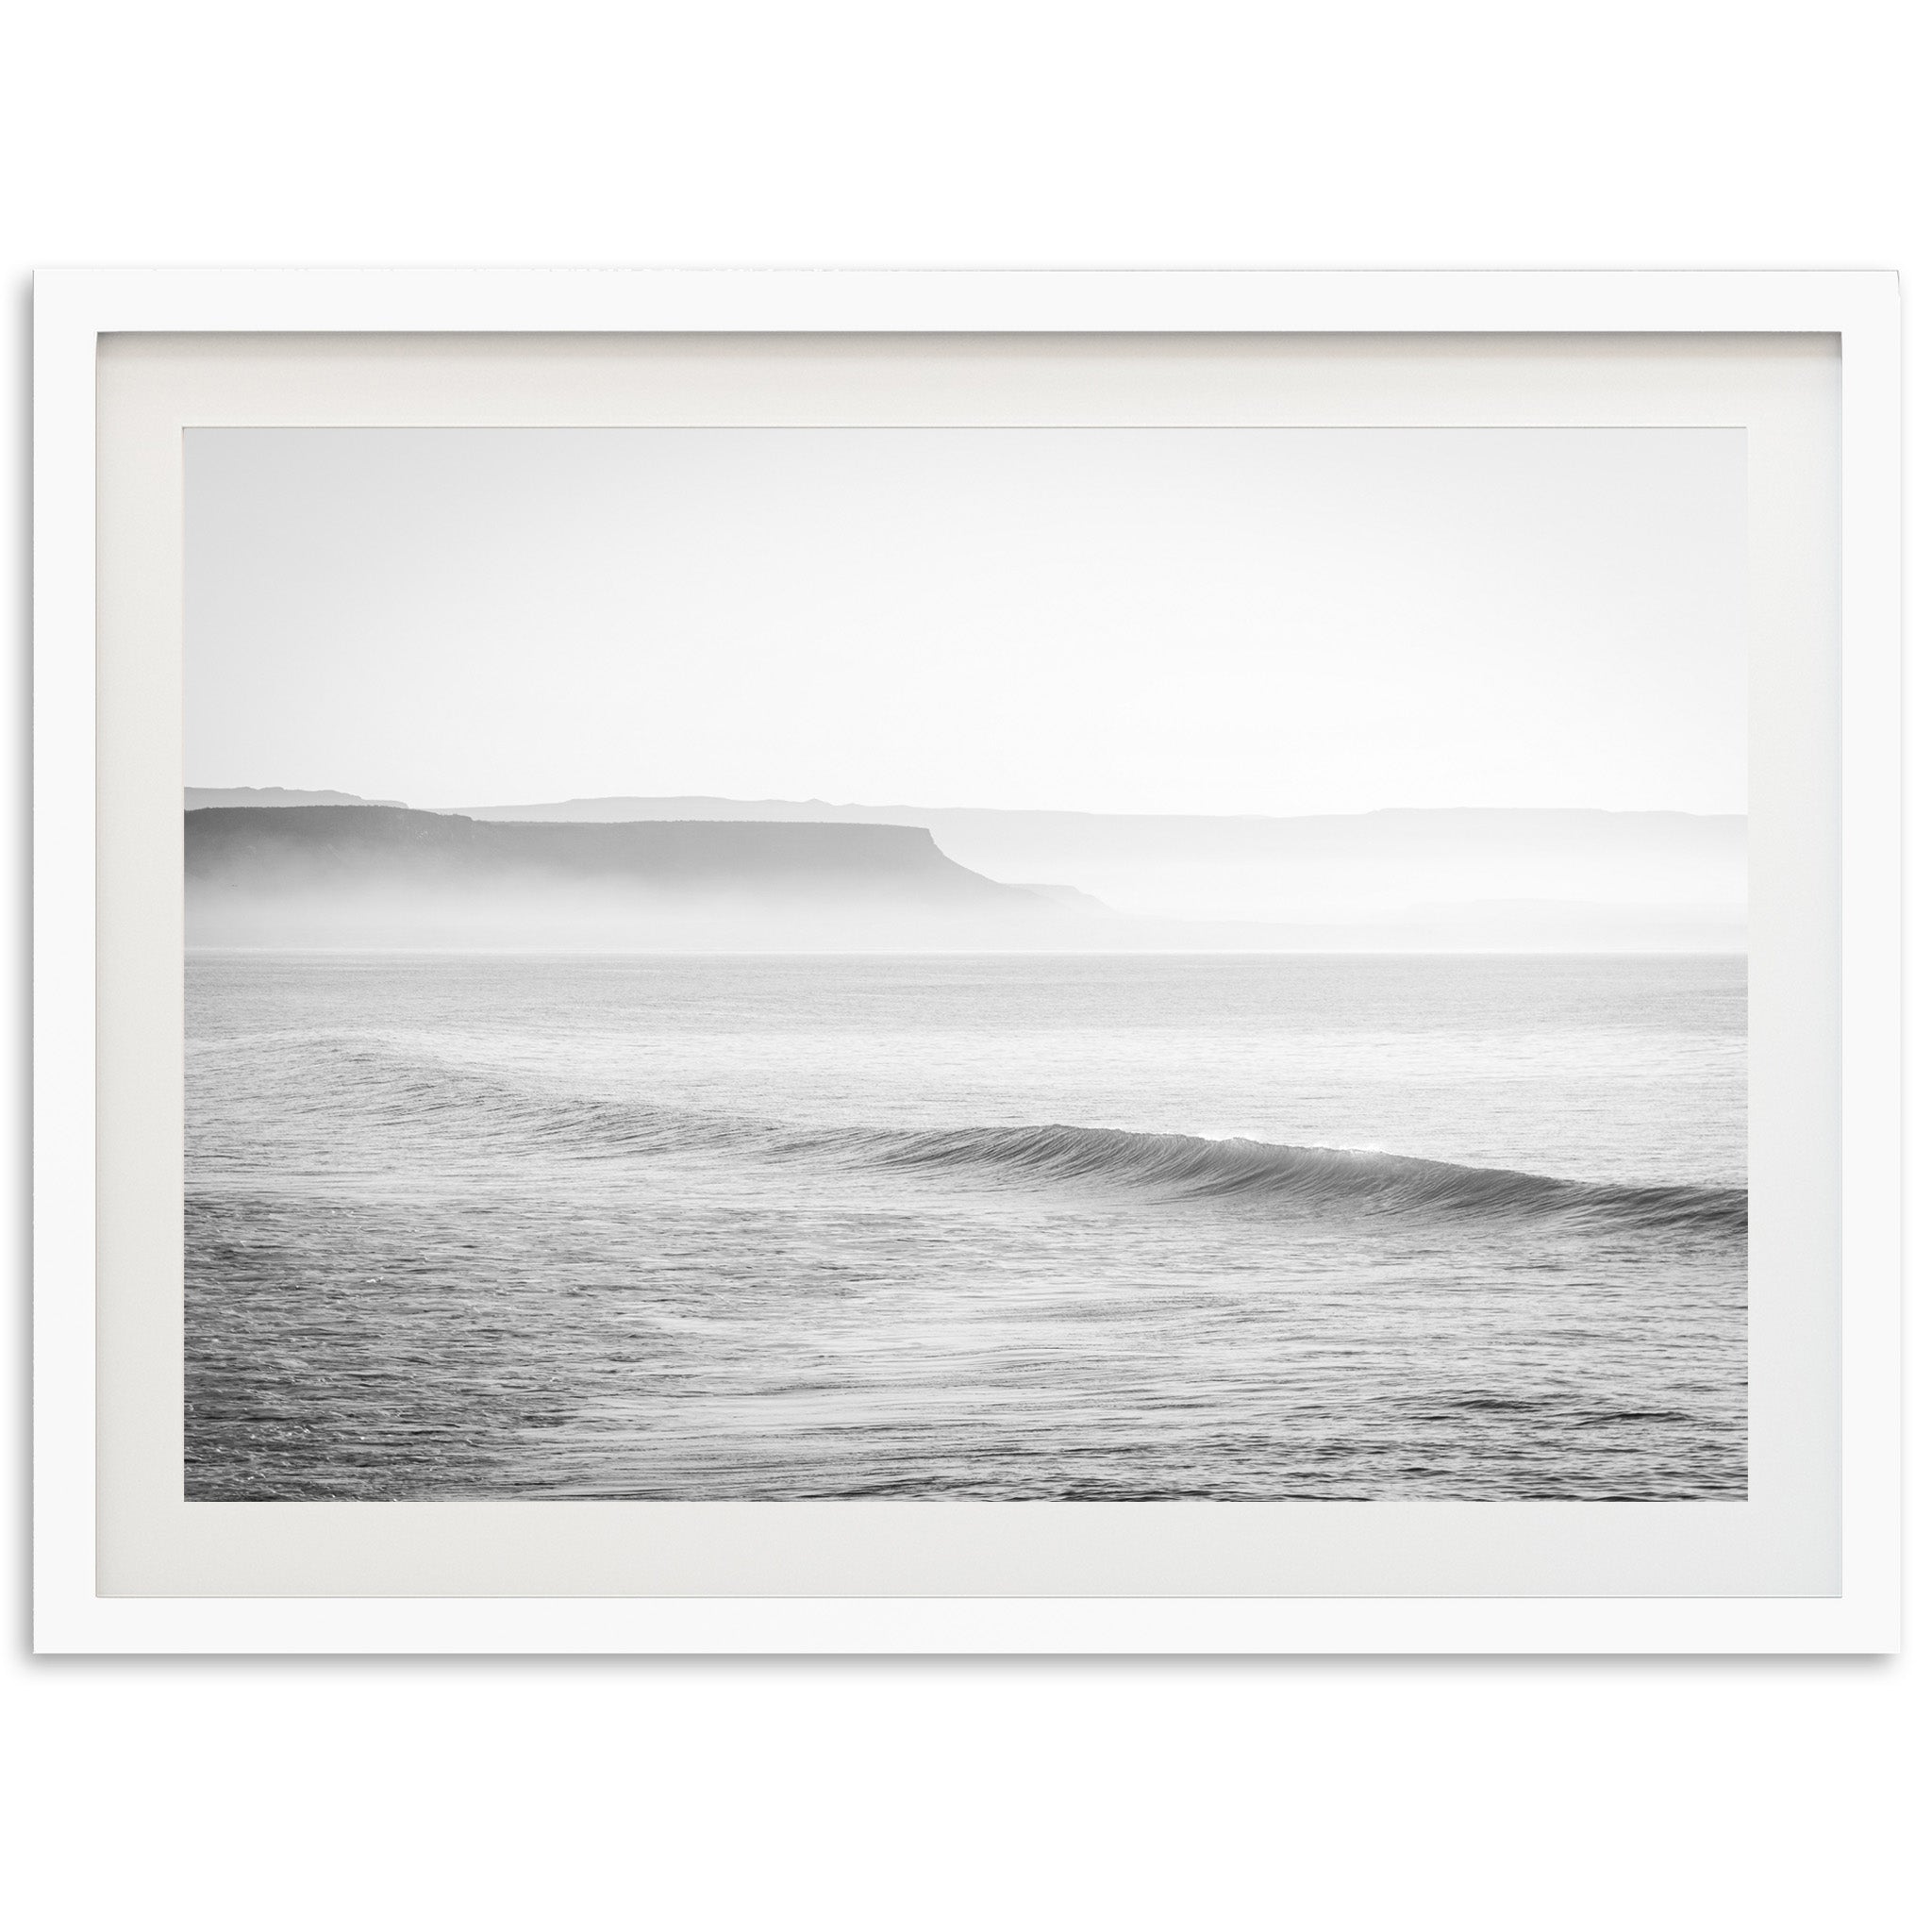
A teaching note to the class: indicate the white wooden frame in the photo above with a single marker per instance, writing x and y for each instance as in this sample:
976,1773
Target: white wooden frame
74,309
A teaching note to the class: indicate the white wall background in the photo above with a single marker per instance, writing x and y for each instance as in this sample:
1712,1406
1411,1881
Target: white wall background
1042,134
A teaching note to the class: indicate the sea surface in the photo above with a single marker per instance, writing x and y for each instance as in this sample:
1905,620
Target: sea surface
495,1225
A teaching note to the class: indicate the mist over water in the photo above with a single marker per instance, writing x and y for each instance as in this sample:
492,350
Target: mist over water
730,875
1006,962
762,1228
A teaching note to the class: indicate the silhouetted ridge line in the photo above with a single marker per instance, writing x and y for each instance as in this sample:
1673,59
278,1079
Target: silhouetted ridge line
333,850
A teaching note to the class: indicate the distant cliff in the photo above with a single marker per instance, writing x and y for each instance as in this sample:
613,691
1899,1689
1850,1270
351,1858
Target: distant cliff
1452,877
325,875
647,877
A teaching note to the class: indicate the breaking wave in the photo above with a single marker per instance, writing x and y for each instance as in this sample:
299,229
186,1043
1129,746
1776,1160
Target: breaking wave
1315,1178
489,1112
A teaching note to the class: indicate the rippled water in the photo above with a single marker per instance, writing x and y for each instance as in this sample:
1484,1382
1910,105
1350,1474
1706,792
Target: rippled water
1241,1227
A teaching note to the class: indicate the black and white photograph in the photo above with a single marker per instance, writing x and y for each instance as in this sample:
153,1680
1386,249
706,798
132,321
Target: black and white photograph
1060,963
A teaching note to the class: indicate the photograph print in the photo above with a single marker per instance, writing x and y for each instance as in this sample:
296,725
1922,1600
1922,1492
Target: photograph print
744,964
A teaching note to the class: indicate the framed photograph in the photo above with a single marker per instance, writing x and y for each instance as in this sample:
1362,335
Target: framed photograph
1148,963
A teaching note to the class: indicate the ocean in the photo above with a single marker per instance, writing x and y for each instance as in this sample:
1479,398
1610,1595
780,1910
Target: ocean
1153,1227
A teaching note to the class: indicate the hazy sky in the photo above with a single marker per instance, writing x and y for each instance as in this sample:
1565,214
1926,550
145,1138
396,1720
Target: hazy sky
1110,620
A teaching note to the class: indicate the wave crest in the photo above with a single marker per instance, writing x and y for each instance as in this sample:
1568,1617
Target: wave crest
1315,1178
